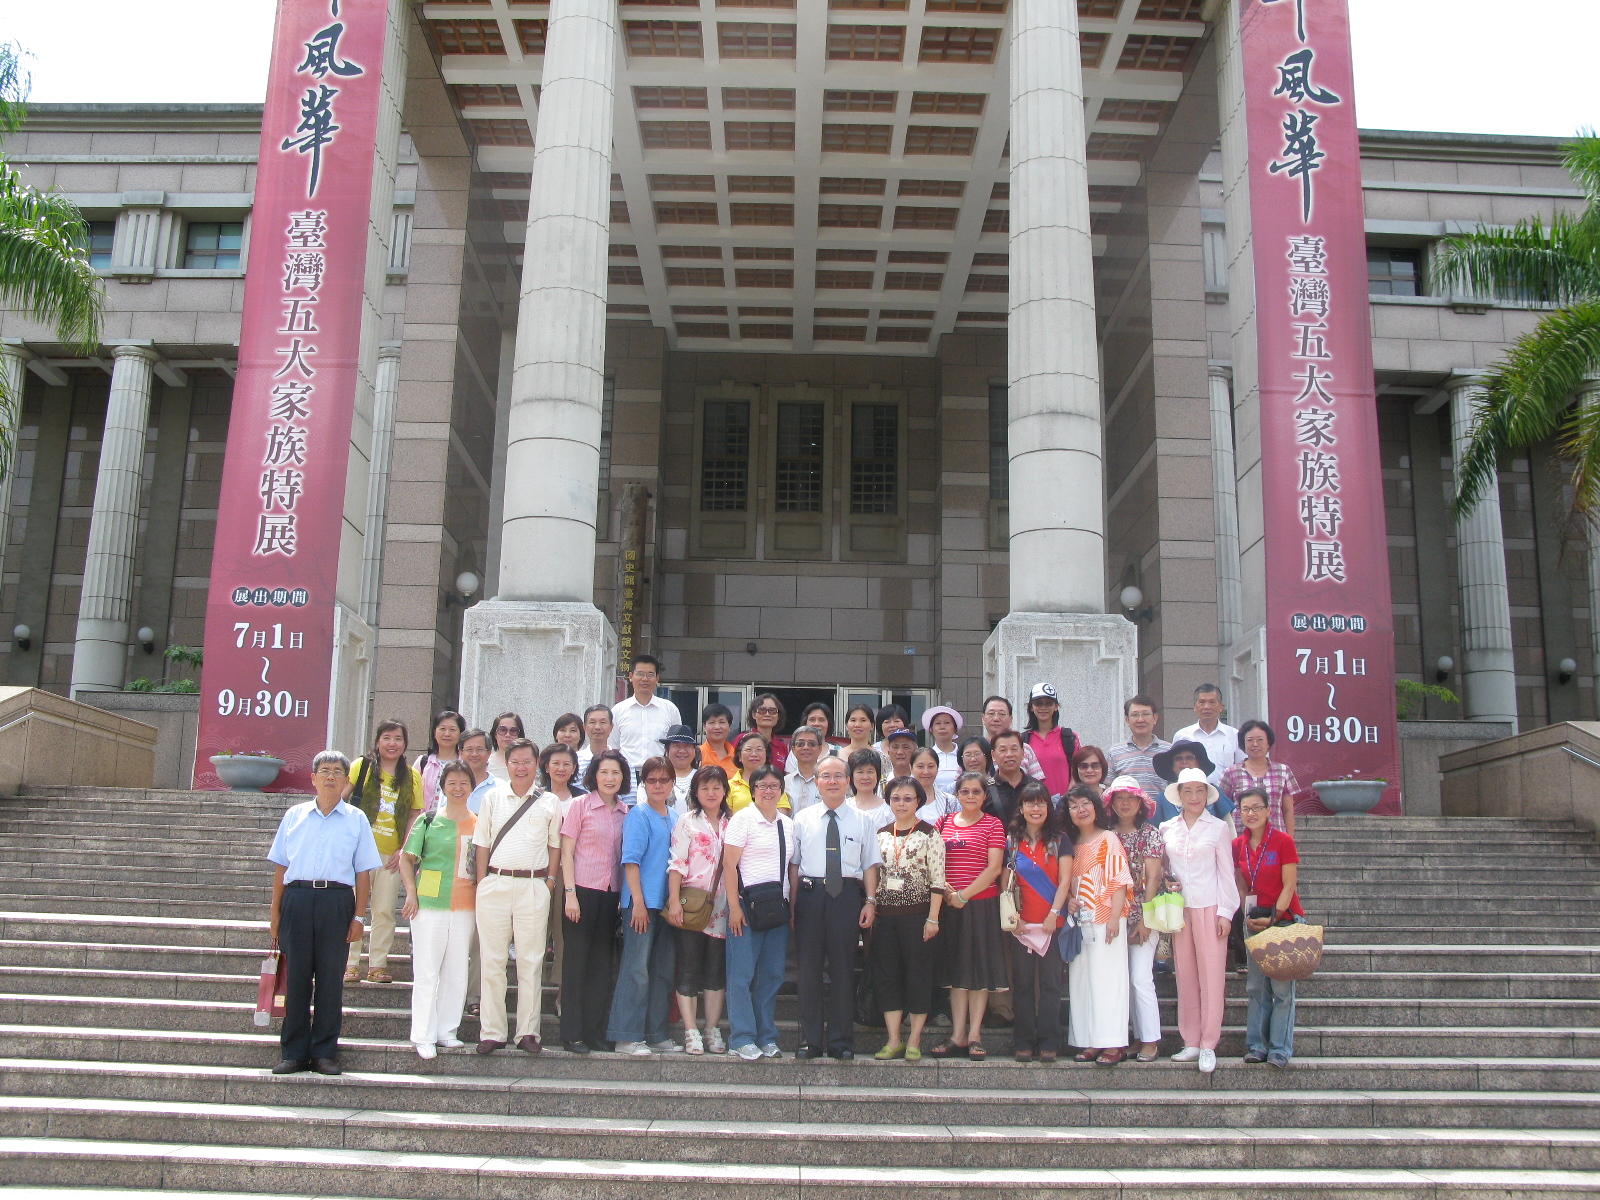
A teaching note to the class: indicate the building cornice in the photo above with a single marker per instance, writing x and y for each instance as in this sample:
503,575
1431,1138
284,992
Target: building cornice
1462,147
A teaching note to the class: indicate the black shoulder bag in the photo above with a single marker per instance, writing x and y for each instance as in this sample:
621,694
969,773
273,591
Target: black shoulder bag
764,905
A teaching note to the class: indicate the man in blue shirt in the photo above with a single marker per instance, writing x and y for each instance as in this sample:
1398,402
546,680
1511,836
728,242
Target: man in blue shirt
639,1005
325,854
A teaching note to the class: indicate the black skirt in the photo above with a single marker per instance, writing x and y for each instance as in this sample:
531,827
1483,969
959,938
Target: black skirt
971,949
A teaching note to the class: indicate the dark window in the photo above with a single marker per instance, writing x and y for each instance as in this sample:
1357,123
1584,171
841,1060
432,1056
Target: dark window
874,458
213,245
1393,272
800,433
101,235
999,445
725,462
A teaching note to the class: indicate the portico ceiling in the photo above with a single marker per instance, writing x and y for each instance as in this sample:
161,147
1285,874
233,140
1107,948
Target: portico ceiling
828,178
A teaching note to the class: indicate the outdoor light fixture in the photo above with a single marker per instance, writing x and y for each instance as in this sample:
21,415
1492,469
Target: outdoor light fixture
1442,668
147,639
1131,597
22,633
466,584
1566,669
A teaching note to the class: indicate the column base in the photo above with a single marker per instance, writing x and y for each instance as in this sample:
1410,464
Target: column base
350,689
536,658
1092,658
99,656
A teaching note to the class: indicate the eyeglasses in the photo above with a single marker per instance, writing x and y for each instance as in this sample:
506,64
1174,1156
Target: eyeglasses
1251,808
769,786
505,728
766,712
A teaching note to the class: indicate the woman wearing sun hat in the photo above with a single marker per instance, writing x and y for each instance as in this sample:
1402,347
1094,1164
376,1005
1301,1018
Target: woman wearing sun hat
943,724
1141,840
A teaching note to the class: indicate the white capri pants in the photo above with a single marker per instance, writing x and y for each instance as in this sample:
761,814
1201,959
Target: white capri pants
439,941
1098,994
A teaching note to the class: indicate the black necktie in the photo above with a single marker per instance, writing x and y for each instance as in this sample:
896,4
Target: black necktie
833,875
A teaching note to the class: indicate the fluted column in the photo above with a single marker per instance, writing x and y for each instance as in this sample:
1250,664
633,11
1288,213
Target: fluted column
1488,669
1057,515
1225,503
553,452
1590,394
99,659
14,371
385,395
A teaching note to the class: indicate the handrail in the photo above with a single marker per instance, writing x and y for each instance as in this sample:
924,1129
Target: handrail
1582,757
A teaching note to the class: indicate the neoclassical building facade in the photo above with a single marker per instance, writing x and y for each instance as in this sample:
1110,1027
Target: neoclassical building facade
901,331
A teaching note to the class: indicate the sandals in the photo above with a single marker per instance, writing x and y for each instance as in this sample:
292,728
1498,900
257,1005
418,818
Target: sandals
472,1010
1110,1058
976,1052
1024,1056
950,1049
352,976
379,977
1147,1058
1088,1056
1048,1057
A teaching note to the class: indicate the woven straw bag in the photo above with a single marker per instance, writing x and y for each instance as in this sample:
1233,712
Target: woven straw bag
1287,952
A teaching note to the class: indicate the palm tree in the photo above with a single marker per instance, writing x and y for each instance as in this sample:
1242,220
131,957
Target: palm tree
44,260
1529,395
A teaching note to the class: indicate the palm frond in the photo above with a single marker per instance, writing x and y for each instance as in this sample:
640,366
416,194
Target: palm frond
1555,263
1527,397
15,84
1582,161
44,263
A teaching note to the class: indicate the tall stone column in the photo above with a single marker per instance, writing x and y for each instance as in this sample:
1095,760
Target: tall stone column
1590,394
541,646
99,660
1225,502
385,395
1057,629
1488,669
14,374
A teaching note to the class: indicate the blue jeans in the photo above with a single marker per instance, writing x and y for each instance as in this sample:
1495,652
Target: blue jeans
755,973
639,1005
1269,1029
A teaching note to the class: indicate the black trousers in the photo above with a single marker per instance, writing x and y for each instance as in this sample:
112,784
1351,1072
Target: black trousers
828,928
313,928
1036,1020
589,967
902,963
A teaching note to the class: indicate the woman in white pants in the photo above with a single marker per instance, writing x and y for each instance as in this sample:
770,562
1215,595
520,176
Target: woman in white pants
1098,992
437,867
1142,842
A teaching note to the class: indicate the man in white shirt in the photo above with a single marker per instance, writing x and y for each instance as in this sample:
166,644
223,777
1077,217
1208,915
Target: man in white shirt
996,720
513,899
805,748
643,719
597,726
835,877
1221,741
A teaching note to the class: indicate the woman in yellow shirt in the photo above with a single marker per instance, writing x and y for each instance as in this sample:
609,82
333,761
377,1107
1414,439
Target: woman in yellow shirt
390,791
750,751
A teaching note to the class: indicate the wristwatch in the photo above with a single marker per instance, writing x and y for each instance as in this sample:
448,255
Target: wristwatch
871,900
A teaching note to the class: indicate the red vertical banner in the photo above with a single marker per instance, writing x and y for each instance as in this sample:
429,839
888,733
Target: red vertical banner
1329,616
270,611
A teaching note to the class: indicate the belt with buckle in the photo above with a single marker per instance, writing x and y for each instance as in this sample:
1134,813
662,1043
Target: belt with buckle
541,873
318,884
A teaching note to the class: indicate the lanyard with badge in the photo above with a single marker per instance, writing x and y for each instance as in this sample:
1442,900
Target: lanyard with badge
1255,869
894,874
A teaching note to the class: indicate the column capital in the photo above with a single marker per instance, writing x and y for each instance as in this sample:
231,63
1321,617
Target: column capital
389,349
1463,378
134,349
1218,369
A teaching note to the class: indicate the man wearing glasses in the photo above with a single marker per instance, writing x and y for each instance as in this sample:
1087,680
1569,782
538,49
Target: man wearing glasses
325,855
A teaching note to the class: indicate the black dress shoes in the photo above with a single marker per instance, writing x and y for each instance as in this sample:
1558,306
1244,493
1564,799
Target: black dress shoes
529,1044
489,1047
290,1066
325,1066
575,1047
808,1052
843,1055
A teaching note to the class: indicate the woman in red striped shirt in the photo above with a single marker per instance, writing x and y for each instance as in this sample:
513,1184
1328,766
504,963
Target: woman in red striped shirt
974,852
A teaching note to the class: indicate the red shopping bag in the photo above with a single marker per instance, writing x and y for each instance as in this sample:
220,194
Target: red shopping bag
274,984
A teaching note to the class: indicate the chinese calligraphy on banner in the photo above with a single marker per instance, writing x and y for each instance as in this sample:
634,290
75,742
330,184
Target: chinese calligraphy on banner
270,612
1330,639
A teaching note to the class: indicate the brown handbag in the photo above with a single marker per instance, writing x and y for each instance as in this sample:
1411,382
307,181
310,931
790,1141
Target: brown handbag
697,903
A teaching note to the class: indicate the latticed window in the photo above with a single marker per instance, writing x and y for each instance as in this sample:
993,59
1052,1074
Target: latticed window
708,277
836,185
725,455
968,104
980,282
1155,52
759,135
857,139
1169,10
844,280
911,216
469,37
913,281
487,95
849,216
665,39
493,131
213,245
780,333
903,333
997,220
967,6
760,214
763,277
839,333
675,135
761,183
102,234
954,44
800,432
754,39
867,43
531,35
874,458
669,97
852,101
1092,48
758,98
625,273
1099,8
683,183
951,188
685,213
940,139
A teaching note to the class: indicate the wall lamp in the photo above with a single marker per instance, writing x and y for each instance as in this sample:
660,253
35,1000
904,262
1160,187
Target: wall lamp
22,633
147,639
1566,669
466,584
1131,598
1442,668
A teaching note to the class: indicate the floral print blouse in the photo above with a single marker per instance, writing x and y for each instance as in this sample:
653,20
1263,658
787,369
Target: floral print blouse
913,866
696,851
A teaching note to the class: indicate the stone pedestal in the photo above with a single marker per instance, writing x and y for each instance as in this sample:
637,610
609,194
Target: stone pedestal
1092,658
537,658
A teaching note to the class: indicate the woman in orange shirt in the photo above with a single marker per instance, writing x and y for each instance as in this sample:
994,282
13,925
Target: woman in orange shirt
1098,977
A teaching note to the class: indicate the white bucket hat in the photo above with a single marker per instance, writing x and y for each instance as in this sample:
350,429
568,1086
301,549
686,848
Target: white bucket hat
1191,775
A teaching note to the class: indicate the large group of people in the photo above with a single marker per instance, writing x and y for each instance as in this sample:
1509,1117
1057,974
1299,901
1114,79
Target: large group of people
675,878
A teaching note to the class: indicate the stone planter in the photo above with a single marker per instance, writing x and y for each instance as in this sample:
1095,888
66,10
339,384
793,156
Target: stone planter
246,772
1350,797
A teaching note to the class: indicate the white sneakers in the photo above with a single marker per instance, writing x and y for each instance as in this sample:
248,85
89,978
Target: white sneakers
749,1053
1187,1054
451,1043
634,1049
770,1050
1208,1061
427,1050
666,1047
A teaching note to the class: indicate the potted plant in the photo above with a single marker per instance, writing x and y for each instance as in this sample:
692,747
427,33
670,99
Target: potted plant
1350,795
247,770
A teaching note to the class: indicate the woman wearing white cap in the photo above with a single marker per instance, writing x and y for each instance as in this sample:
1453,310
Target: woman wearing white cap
1051,741
943,724
1199,849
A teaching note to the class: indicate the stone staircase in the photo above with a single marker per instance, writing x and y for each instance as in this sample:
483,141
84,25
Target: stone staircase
1451,1042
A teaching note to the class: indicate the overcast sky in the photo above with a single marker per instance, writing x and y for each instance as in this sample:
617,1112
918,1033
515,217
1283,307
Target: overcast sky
1466,66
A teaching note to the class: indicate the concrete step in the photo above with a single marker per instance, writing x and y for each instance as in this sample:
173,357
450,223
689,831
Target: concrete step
46,1161
28,897
801,1143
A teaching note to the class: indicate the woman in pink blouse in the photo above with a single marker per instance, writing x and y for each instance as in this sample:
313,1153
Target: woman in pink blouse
696,862
1199,849
591,858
